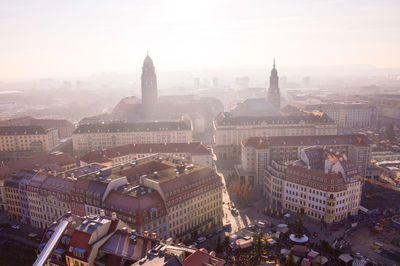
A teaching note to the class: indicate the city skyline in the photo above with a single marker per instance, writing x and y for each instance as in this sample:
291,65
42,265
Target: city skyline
47,39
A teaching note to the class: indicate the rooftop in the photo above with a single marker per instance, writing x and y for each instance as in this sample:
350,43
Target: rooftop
226,119
194,148
266,142
91,223
132,127
21,130
127,245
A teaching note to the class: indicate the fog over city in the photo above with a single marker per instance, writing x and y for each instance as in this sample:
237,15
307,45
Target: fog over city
213,132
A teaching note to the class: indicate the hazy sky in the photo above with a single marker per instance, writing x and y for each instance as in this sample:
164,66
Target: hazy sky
56,38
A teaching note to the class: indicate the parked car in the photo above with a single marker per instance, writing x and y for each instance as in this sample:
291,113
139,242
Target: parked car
333,228
260,224
251,227
194,244
210,235
227,226
201,239
6,225
16,226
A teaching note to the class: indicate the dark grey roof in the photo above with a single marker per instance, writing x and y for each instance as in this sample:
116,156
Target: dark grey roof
21,130
97,187
131,127
226,119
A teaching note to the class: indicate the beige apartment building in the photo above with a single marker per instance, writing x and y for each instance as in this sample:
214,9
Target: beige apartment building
192,195
346,114
92,137
230,131
265,157
17,142
322,185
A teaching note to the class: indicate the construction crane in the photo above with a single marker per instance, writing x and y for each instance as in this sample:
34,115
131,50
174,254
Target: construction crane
372,181
52,243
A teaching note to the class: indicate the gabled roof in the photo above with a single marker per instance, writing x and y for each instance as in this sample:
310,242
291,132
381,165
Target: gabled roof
121,244
79,240
202,258
132,127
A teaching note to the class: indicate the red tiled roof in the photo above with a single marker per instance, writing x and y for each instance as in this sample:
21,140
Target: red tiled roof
202,258
194,148
314,178
79,239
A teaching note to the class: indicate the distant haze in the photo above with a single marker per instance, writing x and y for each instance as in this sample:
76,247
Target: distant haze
63,38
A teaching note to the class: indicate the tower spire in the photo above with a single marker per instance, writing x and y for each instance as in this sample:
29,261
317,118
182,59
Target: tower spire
274,63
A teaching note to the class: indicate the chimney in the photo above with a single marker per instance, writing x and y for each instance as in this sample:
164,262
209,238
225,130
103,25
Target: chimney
113,216
181,168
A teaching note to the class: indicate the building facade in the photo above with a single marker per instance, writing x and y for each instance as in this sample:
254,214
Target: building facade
347,115
141,208
322,185
231,131
87,138
192,195
264,157
18,142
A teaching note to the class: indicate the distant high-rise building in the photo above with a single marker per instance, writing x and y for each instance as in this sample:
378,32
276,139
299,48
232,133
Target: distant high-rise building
274,96
307,81
149,82
196,83
215,82
242,82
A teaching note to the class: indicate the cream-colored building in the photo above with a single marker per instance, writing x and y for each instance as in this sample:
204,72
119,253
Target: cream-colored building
87,138
192,195
55,193
36,206
322,185
230,131
18,142
264,156
345,114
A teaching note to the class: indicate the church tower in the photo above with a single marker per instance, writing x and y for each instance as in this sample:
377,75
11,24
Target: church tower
274,96
149,82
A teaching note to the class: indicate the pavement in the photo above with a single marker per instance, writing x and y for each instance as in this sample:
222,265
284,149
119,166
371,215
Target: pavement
19,235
